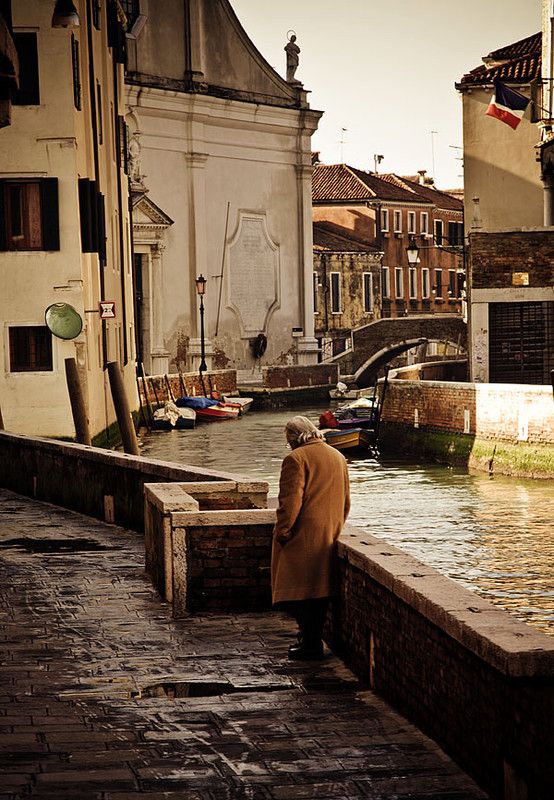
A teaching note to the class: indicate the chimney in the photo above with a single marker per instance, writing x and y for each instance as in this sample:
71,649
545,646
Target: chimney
422,173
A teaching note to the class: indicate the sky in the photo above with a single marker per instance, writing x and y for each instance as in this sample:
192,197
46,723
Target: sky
383,71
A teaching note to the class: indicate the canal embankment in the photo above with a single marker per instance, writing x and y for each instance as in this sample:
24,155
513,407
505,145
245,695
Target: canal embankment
506,429
476,679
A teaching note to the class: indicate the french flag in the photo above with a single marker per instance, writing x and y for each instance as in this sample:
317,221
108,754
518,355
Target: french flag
507,105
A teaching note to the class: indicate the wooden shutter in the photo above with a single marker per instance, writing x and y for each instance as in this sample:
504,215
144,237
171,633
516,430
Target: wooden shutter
101,228
50,214
3,220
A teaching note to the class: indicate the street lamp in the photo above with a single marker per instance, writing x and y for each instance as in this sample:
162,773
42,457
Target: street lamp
201,289
65,15
412,251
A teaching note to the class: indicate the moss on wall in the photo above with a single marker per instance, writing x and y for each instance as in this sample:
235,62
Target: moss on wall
485,455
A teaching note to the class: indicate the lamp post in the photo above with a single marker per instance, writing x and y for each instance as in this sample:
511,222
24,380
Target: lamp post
412,251
201,289
65,15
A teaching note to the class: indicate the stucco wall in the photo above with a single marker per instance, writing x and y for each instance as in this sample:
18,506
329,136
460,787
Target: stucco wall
54,139
500,166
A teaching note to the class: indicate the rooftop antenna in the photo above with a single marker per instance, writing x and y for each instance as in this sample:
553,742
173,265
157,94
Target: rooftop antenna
433,134
377,160
343,131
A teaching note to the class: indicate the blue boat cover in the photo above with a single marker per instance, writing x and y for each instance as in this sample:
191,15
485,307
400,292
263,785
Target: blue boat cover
195,402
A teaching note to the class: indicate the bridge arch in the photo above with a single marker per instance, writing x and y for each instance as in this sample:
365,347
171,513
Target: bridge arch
382,357
376,344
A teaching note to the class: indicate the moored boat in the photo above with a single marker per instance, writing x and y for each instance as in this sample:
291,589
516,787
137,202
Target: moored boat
351,440
171,417
211,409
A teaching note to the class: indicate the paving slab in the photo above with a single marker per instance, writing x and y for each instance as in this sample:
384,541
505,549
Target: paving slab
104,696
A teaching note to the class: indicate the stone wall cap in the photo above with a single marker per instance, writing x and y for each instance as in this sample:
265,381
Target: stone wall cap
511,646
168,497
249,516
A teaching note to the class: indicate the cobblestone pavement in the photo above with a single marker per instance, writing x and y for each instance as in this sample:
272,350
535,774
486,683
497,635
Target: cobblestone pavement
106,697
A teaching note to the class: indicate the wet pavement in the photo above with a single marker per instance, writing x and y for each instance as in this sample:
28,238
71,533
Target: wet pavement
104,696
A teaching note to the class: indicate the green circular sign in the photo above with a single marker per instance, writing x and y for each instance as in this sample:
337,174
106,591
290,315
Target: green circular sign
63,321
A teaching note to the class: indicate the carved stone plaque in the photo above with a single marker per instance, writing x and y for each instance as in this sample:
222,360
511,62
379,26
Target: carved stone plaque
253,275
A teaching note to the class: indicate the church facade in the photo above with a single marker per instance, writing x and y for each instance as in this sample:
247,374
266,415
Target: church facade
220,164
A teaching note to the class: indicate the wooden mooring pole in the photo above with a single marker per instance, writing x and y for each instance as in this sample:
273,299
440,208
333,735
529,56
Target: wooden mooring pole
122,410
80,419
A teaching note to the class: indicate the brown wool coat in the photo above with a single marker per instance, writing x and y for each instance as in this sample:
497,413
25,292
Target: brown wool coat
314,501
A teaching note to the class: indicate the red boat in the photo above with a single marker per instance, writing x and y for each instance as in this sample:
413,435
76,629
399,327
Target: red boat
210,409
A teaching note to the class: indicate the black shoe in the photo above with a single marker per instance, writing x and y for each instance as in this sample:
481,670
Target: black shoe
301,652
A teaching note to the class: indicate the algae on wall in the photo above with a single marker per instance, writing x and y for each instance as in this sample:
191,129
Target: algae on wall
494,456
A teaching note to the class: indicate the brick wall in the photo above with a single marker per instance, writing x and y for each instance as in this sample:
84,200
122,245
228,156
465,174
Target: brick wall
157,387
227,564
93,481
509,412
495,257
473,677
477,680
291,377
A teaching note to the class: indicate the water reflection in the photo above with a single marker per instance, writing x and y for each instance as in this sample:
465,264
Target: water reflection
492,534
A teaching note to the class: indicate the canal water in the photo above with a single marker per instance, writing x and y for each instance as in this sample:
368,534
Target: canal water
492,534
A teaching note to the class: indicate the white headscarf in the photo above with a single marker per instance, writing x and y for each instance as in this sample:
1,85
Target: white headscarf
301,430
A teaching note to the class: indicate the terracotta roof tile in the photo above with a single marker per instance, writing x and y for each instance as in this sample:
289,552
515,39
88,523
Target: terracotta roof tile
327,238
441,200
339,182
532,44
516,63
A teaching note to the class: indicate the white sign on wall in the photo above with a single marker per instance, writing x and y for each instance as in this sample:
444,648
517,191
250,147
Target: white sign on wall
253,274
107,309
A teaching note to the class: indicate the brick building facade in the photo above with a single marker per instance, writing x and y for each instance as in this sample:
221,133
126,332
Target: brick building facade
388,213
511,285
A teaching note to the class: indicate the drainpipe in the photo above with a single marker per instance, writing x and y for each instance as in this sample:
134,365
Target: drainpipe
547,178
94,125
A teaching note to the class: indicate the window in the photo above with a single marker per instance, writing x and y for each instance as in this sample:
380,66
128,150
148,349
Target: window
314,286
438,231
455,234
461,282
93,219
438,282
76,73
425,288
99,110
521,348
368,293
452,283
413,283
335,293
96,13
132,10
28,93
30,349
398,222
411,222
385,280
384,220
398,282
29,214
424,221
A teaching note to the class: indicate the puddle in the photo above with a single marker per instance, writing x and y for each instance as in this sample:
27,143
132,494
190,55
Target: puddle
179,689
28,545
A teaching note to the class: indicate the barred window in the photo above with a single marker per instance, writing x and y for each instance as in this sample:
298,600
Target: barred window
30,348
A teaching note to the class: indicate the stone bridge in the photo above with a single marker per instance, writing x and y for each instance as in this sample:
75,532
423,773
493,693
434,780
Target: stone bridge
376,344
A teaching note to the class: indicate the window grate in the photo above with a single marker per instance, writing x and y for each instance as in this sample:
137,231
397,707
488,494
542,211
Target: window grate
521,342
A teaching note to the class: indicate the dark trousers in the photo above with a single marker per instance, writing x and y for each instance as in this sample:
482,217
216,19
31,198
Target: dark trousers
310,616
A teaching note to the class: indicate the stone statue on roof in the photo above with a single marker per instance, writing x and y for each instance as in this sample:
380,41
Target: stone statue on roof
292,50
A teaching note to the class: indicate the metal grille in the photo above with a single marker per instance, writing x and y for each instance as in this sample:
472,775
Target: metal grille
521,342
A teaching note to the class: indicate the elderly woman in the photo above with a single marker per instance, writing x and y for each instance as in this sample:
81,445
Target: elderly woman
314,501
